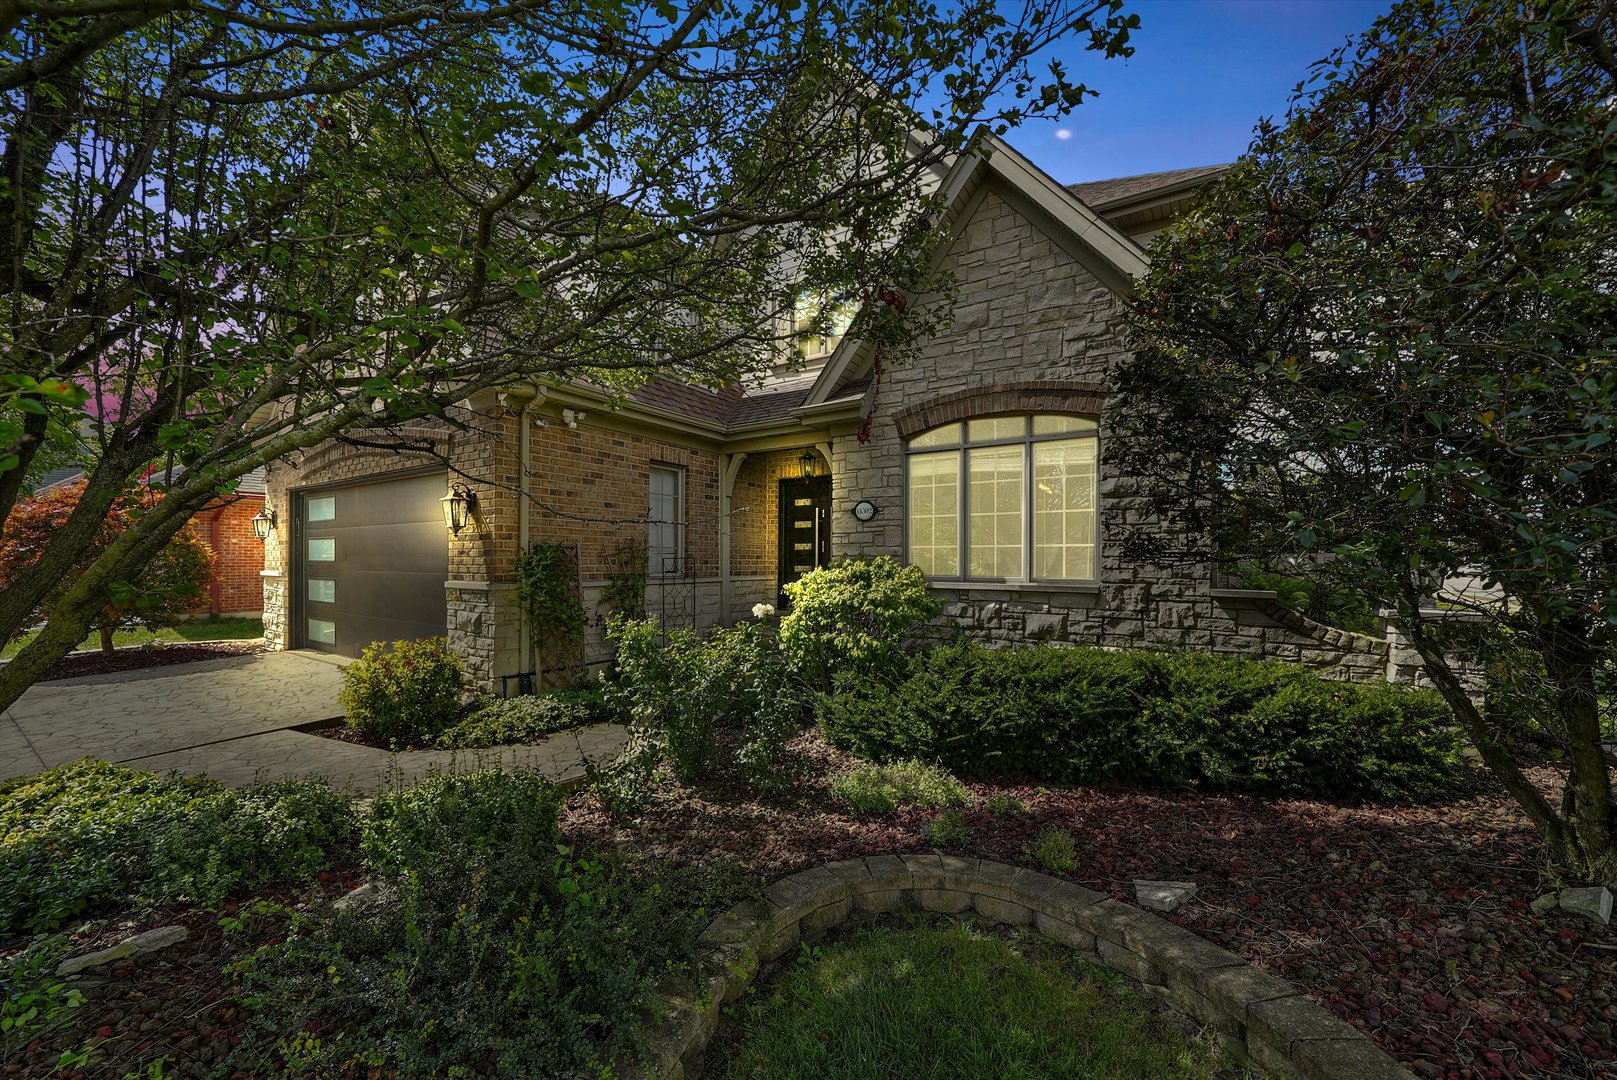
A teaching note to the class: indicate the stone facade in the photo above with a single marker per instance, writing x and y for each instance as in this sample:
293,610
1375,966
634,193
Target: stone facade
1033,331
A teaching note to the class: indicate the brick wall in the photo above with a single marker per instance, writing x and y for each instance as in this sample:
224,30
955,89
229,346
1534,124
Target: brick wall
226,526
1029,320
755,520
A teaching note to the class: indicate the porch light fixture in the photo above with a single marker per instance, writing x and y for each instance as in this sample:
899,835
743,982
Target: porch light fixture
458,506
808,465
264,523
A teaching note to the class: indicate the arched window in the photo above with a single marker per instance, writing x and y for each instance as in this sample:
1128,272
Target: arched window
1004,498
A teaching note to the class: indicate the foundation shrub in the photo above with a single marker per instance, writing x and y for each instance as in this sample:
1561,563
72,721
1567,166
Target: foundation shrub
403,690
725,702
492,949
1090,716
856,616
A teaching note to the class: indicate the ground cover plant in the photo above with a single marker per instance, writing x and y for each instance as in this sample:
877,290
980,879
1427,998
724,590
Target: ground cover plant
940,1000
490,949
528,718
1085,715
91,835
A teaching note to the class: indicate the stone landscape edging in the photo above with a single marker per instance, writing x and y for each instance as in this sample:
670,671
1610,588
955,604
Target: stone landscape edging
1254,1013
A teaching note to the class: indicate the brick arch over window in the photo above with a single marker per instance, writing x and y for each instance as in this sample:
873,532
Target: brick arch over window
1046,396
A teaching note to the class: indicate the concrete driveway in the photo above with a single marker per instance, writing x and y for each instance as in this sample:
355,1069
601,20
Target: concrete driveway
235,719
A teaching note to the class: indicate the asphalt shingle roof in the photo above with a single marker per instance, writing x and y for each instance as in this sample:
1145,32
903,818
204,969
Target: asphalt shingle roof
1101,194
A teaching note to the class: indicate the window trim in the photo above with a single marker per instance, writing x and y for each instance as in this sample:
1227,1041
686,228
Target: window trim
1027,441
679,523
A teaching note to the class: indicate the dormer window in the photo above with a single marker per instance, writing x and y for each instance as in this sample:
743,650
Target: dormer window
819,325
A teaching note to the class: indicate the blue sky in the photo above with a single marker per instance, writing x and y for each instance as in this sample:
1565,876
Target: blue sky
1202,74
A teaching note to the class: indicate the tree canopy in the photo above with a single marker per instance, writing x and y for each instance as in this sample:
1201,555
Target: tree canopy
235,230
1381,355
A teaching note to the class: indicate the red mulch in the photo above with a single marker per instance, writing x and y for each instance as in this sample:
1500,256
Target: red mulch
360,738
77,665
177,1005
1410,922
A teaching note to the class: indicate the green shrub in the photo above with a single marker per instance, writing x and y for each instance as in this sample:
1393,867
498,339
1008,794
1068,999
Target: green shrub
1087,716
880,789
403,690
854,616
1004,804
80,837
685,692
1054,849
948,830
493,950
526,719
1332,606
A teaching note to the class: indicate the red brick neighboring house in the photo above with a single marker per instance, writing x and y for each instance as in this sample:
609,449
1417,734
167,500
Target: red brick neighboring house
225,525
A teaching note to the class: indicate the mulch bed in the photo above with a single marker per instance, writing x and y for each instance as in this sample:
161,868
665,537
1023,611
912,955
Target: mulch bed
78,665
360,738
1410,922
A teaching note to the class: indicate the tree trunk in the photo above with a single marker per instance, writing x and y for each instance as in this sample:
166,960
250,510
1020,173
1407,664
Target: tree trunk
106,638
1569,659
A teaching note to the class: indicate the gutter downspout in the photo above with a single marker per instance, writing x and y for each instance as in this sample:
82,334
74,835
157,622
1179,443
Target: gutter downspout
530,396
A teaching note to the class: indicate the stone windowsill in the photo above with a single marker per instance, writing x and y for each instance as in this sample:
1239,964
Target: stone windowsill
1086,588
1244,594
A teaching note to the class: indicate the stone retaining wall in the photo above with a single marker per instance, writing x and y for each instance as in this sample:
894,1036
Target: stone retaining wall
1256,1014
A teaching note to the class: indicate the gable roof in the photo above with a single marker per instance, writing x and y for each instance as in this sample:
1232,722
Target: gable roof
1105,195
1104,249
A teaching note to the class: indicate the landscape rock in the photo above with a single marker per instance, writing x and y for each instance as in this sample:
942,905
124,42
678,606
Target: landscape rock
360,894
1163,895
149,941
1546,903
1594,902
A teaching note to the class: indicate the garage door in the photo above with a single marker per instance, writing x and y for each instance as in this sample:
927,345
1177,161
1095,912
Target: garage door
372,562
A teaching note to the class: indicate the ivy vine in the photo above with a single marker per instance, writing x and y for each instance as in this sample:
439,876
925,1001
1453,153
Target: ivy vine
547,578
625,591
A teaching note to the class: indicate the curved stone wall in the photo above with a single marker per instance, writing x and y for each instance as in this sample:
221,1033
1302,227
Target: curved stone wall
1257,1015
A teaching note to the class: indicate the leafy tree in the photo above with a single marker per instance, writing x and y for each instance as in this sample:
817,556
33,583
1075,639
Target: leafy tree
1380,354
166,590
242,229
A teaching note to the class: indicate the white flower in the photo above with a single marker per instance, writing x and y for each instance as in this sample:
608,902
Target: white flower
762,611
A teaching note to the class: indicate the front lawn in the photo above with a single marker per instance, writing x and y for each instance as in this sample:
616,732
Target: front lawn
941,1000
208,629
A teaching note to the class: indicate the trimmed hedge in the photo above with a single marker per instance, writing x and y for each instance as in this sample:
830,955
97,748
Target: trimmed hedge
1084,716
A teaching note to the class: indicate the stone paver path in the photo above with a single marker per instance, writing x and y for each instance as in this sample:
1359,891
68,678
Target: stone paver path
233,719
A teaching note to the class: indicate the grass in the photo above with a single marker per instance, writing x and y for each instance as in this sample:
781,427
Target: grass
880,789
209,629
936,1001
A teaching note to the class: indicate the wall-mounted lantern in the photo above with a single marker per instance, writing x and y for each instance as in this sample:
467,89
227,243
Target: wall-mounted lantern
808,465
264,523
459,505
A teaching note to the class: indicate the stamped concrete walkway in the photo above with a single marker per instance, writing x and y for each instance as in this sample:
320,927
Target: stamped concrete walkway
234,719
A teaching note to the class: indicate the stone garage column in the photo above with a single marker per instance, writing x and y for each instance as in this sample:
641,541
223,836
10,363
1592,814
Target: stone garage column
483,628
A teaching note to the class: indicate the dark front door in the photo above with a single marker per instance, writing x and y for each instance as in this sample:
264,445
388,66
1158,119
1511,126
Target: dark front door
372,559
805,527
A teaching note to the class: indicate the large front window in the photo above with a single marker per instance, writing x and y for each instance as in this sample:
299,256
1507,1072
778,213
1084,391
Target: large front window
1006,498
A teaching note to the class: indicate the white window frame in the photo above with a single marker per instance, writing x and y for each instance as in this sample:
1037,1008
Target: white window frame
1027,440
654,555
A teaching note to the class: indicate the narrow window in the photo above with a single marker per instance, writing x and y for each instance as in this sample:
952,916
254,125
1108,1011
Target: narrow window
665,540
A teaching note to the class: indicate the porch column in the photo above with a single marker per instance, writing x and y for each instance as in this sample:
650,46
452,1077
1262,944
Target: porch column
729,468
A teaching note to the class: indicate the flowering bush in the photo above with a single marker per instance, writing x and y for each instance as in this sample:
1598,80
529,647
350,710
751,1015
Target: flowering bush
403,689
854,615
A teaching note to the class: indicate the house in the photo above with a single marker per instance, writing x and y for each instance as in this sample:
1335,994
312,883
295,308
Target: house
983,461
225,524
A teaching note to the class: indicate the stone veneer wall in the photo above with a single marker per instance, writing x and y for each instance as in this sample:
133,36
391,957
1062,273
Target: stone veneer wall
1255,1015
1034,329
